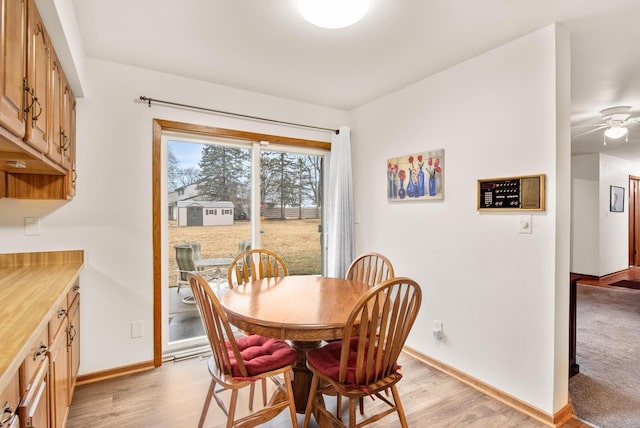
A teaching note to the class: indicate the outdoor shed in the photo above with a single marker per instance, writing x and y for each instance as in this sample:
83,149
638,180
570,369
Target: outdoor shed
205,213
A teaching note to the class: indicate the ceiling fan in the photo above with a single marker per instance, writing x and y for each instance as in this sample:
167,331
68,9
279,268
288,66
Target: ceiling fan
615,122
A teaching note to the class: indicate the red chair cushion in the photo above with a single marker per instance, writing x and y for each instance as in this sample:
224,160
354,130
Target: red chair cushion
261,354
326,360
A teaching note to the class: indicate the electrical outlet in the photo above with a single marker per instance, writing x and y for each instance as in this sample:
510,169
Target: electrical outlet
31,226
137,329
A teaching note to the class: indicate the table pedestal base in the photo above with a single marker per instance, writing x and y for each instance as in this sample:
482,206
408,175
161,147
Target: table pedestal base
302,377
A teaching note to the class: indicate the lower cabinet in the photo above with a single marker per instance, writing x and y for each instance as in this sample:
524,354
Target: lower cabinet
9,400
73,342
64,356
59,371
41,393
35,409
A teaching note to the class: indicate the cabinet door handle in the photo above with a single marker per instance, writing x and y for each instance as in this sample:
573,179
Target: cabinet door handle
76,287
71,334
42,350
7,414
28,92
62,312
65,141
34,117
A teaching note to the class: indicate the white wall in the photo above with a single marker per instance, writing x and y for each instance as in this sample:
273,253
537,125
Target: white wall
114,134
496,291
600,238
585,200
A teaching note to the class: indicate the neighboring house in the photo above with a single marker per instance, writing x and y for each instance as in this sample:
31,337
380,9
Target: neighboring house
190,193
183,193
204,213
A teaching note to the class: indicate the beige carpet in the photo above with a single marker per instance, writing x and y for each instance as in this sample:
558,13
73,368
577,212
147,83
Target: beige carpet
606,392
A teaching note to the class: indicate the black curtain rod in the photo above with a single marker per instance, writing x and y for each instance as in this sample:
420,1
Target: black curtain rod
227,113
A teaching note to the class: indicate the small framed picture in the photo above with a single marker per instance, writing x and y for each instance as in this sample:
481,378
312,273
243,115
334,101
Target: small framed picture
617,199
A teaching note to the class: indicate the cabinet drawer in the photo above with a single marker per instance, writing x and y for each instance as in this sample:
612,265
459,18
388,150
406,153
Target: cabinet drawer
35,357
58,318
73,294
34,409
10,400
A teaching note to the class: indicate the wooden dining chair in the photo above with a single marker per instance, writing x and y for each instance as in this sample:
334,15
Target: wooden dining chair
370,268
252,265
239,363
364,362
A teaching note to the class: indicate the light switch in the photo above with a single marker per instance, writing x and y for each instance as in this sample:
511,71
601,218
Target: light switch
437,330
524,224
32,226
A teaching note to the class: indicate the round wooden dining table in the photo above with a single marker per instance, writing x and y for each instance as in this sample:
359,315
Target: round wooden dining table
304,309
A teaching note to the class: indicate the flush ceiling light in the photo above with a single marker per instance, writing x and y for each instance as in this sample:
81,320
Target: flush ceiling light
333,13
614,132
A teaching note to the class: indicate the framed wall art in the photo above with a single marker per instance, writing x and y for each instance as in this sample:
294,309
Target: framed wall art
616,199
416,177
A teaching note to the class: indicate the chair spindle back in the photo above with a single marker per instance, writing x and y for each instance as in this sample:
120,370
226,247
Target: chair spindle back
216,326
252,265
370,268
380,323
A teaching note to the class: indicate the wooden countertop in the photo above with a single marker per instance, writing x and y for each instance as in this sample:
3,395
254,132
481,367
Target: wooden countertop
32,286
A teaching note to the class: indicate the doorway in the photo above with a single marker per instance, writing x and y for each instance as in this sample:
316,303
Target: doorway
194,216
634,221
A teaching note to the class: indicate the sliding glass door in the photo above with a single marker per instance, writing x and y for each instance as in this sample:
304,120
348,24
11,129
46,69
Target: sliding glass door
224,197
291,208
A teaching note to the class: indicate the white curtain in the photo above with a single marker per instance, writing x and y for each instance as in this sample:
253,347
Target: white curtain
340,230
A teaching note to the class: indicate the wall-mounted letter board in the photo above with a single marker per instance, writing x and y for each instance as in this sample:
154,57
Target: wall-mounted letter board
524,193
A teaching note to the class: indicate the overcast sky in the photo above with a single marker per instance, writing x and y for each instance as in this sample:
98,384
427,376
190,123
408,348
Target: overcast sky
187,154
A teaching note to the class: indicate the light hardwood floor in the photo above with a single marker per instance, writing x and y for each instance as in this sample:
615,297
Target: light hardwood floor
172,396
632,274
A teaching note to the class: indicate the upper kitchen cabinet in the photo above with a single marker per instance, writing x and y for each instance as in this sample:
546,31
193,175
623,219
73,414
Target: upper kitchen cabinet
37,109
62,142
68,128
69,139
56,117
13,68
40,63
